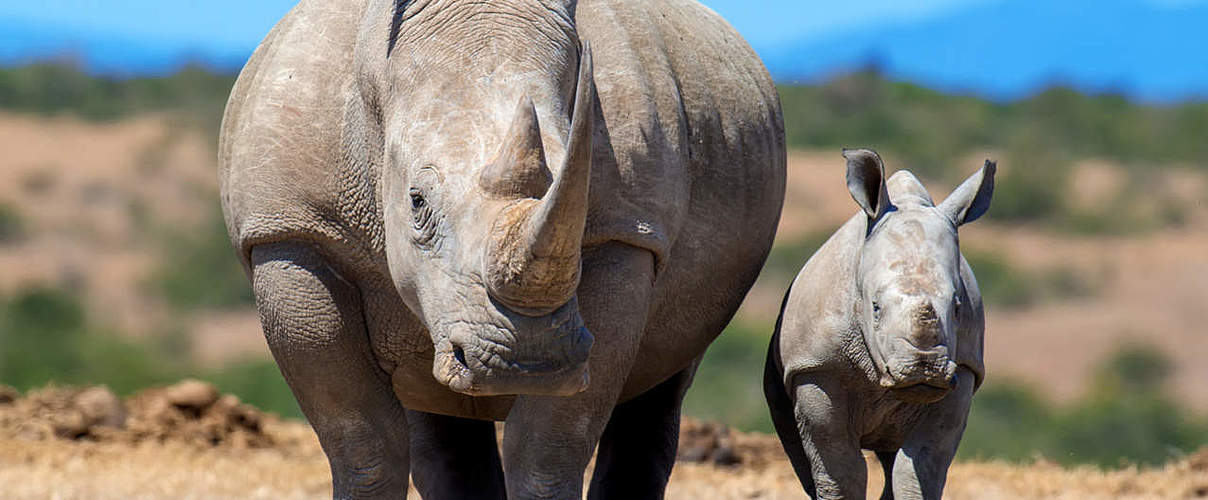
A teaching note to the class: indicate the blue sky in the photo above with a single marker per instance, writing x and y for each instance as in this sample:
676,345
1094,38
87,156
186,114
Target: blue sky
1152,49
240,23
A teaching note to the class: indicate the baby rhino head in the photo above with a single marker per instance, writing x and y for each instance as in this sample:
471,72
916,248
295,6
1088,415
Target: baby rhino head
909,275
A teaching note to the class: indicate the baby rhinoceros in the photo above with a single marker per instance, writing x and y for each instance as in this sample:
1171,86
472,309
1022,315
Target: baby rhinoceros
879,341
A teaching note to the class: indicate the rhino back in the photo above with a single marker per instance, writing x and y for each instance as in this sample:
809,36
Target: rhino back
692,119
280,145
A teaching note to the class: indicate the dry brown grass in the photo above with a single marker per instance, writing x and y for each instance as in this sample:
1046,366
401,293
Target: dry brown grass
86,470
188,441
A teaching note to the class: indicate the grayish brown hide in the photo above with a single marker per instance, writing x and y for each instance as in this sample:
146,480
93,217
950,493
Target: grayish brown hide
879,341
536,211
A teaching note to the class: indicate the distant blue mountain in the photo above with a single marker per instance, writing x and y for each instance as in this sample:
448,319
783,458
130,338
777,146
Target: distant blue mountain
109,54
1010,49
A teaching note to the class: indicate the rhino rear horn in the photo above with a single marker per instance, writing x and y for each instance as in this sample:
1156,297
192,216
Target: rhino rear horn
518,169
533,262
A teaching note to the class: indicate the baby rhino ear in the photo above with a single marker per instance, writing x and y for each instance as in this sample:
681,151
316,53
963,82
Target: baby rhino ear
972,198
866,181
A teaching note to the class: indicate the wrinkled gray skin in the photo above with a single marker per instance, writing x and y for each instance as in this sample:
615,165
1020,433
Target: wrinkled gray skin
879,341
522,210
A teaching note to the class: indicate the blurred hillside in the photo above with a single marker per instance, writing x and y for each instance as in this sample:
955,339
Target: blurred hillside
1094,254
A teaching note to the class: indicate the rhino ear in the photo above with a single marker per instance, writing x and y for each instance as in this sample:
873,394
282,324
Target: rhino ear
971,199
866,181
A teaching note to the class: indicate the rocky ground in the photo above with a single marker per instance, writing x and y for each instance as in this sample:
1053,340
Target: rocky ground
189,441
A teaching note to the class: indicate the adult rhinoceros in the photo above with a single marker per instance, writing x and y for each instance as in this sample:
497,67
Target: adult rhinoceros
453,213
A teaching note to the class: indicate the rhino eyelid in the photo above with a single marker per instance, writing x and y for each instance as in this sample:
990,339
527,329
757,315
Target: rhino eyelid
423,217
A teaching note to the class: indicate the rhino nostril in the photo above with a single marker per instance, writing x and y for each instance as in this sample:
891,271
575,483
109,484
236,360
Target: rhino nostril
926,314
460,355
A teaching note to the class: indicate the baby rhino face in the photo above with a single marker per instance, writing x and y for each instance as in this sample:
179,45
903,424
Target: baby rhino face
911,291
912,294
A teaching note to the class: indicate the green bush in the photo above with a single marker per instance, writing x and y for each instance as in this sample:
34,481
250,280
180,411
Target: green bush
1000,282
1126,418
1031,190
931,130
729,381
12,226
58,87
1004,285
1007,422
258,382
787,257
200,269
46,338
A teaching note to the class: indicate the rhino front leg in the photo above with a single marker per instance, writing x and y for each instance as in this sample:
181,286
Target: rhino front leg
829,438
548,440
455,457
921,466
637,450
314,327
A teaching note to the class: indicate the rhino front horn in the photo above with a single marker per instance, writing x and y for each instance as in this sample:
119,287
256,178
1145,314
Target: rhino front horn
533,255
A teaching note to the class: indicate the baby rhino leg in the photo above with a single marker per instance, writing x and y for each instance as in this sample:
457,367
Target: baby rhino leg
921,467
829,438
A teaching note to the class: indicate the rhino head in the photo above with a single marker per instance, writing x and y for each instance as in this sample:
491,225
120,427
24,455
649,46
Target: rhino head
909,275
487,128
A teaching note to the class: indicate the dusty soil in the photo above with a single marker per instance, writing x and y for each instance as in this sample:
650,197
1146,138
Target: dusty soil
188,441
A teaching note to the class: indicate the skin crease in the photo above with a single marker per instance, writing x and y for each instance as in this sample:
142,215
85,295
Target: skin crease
879,341
540,212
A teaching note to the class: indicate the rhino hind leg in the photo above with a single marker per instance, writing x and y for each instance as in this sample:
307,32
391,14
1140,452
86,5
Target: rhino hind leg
454,457
314,327
887,458
638,448
781,408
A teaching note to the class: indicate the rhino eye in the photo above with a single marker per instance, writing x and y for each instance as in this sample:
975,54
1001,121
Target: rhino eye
422,217
956,305
876,311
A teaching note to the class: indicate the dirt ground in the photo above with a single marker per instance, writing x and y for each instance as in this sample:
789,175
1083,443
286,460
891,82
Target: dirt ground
189,442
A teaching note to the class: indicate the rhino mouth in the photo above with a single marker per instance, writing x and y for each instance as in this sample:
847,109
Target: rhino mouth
922,392
475,369
920,376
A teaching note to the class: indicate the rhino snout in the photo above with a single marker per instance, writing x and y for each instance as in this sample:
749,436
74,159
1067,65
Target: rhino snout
916,375
535,357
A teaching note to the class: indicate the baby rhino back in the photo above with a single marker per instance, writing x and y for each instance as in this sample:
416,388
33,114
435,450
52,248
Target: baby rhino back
879,342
